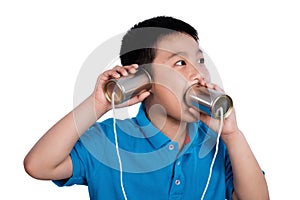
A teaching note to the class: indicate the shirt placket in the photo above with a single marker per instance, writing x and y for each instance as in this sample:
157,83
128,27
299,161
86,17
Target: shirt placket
177,183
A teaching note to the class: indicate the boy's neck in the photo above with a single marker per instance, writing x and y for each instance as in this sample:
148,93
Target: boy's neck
174,129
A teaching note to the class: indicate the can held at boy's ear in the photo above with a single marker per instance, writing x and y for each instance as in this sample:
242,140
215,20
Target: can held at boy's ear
127,87
208,101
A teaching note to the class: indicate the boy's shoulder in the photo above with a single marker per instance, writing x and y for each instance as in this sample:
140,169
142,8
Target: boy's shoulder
128,122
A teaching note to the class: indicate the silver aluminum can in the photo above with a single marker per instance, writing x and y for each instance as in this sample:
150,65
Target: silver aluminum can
127,87
208,101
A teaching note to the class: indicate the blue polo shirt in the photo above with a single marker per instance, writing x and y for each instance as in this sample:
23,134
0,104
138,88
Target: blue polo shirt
153,165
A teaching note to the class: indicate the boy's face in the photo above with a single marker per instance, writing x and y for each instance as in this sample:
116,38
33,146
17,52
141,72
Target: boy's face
178,64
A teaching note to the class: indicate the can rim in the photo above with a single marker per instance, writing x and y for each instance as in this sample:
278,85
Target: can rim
229,110
116,85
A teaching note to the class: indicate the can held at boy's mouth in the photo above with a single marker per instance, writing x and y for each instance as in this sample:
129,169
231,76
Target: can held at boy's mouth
208,101
127,87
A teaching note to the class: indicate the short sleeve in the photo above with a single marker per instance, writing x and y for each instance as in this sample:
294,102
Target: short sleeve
78,177
228,177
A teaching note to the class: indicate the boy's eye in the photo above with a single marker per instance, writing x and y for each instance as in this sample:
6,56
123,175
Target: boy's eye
201,61
180,63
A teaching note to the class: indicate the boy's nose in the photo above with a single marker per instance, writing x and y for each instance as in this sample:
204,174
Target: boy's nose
196,76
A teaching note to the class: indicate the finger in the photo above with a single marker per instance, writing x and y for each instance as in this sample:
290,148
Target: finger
104,76
213,124
136,66
111,74
202,81
122,71
117,71
137,99
132,68
203,117
196,114
142,96
215,87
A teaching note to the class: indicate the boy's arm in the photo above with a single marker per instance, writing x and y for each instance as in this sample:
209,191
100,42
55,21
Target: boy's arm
49,158
248,179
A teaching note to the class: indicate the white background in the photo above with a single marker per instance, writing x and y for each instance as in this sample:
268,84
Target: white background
254,45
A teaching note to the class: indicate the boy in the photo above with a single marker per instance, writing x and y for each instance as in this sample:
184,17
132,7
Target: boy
165,128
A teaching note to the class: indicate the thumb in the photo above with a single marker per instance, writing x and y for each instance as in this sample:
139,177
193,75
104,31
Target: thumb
210,122
136,99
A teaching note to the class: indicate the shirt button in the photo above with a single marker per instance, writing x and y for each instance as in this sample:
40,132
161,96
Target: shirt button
178,163
171,147
177,182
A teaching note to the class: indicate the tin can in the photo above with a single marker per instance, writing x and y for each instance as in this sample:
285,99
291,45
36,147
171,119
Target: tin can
127,87
208,101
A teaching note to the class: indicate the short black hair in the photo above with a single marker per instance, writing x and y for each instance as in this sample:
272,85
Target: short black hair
138,43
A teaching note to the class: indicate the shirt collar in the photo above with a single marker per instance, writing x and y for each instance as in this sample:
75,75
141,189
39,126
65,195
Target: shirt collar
153,134
201,136
158,139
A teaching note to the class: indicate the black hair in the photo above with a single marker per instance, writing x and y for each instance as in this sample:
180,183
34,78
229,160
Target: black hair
138,43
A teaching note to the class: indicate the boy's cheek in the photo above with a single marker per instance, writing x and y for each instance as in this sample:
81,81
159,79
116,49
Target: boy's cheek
170,79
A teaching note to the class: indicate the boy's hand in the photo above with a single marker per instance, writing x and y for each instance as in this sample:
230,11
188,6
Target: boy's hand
230,124
115,73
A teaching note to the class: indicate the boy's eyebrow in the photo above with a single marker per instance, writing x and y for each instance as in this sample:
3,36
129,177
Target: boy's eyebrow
184,54
181,53
199,51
